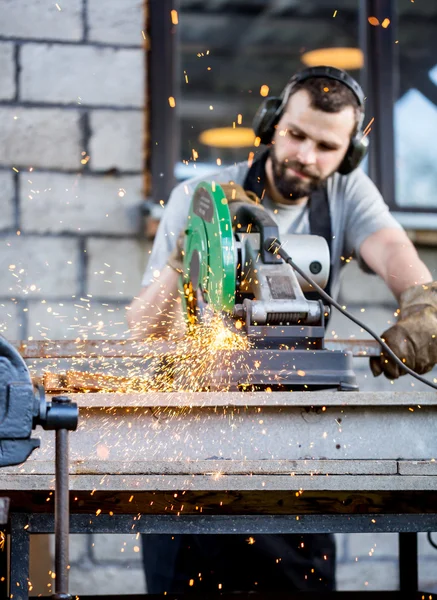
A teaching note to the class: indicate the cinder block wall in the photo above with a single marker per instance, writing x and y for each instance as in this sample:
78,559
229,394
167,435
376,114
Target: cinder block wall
72,139
72,106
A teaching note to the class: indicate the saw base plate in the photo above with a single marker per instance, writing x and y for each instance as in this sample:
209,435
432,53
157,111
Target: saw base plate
294,370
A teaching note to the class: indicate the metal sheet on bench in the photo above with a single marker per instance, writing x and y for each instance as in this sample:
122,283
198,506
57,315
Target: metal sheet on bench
277,441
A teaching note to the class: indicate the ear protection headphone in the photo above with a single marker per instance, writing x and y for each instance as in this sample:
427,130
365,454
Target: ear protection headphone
271,109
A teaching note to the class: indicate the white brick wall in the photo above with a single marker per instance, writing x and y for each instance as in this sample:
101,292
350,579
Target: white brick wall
364,289
377,318
111,77
82,317
369,561
80,204
7,70
77,101
367,576
58,192
356,286
105,581
429,257
368,298
7,212
372,545
40,137
10,320
115,143
40,19
115,267
108,547
35,266
119,23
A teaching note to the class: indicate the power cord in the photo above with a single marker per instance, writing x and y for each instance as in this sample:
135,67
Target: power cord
274,246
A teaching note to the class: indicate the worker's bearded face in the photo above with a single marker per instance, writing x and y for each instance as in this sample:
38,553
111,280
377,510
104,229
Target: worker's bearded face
308,146
292,179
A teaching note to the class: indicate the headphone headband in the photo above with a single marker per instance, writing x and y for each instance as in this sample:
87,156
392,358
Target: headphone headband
329,73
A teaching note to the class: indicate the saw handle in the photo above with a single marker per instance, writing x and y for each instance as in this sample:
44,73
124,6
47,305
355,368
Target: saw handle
263,223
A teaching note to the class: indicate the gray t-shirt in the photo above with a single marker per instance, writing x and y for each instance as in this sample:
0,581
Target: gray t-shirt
356,206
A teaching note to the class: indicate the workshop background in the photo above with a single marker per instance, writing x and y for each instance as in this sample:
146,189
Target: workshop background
102,104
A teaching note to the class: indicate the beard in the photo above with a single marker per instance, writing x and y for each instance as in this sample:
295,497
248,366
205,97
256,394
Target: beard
290,186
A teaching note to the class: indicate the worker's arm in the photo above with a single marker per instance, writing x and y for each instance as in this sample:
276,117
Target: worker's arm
391,254
157,309
413,337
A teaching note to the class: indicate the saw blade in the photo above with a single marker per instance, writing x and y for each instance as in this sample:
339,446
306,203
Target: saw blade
209,272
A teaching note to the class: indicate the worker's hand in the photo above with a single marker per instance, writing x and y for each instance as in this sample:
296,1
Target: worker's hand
176,258
414,337
237,196
235,193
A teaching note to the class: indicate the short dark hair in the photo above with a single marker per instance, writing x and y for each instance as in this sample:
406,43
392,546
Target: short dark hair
330,96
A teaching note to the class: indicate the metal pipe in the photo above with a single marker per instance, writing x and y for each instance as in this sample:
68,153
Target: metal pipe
62,515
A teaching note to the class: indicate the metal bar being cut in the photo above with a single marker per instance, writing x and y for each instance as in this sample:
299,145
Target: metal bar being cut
123,348
257,399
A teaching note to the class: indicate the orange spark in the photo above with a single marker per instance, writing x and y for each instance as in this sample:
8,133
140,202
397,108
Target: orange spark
264,91
174,17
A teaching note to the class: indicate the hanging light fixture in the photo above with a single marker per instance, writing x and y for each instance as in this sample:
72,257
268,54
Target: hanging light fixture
228,137
341,58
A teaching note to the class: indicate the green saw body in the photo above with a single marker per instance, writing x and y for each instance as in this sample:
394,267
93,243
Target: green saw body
209,251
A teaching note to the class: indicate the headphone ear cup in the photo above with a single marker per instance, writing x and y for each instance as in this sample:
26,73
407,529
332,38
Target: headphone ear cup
266,118
355,153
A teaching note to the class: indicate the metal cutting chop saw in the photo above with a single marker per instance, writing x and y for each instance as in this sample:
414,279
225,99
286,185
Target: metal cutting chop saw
227,270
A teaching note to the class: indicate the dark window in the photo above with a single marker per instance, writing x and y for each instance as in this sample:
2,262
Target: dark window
233,52
415,115
230,53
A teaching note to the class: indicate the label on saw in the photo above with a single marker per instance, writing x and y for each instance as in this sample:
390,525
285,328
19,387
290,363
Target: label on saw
280,287
203,205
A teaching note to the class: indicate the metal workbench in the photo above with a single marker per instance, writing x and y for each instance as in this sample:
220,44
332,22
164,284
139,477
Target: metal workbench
250,462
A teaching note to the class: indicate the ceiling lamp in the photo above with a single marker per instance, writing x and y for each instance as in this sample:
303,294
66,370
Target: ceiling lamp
228,137
341,58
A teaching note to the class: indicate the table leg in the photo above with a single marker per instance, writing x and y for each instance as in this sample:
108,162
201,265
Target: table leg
408,562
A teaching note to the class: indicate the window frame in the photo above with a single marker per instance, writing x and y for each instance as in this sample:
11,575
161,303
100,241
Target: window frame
380,78
162,145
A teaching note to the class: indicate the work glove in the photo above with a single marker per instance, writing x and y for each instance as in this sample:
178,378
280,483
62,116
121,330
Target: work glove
176,258
236,193
414,337
237,196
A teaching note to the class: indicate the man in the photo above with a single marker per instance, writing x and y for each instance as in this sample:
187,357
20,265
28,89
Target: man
308,180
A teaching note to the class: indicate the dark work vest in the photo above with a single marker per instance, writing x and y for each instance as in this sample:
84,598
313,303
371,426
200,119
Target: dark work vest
319,213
